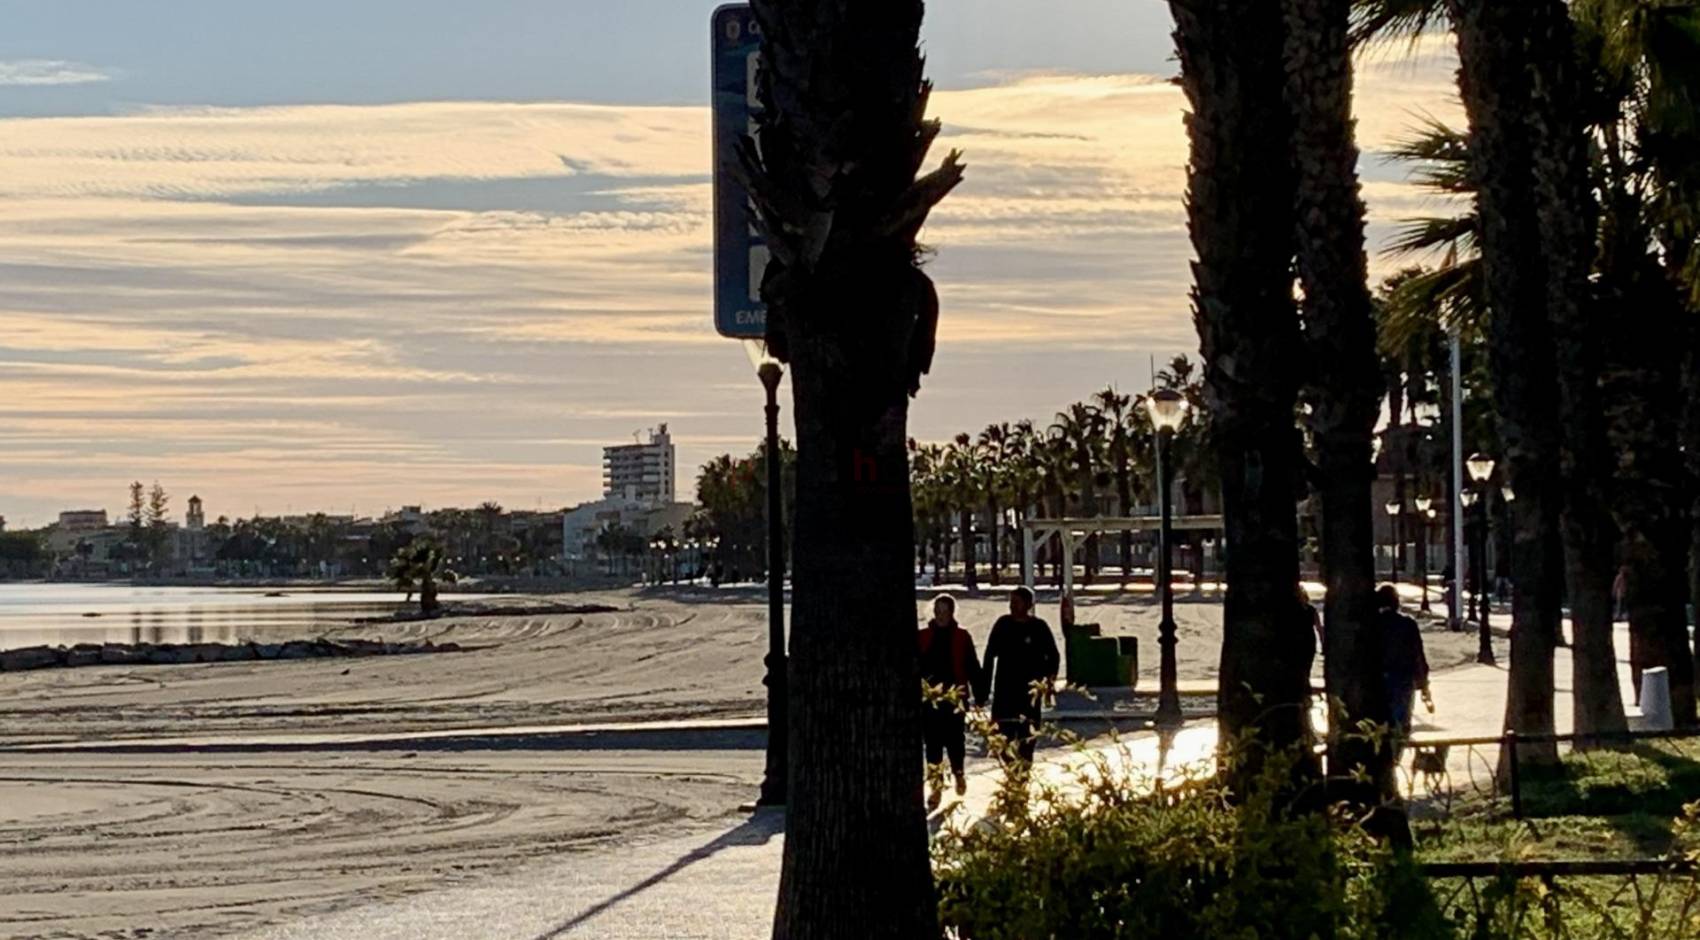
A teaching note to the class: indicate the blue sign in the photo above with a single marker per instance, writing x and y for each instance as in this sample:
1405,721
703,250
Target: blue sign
740,256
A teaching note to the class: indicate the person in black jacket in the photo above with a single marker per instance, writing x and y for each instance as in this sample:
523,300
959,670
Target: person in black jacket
950,665
1404,664
1020,653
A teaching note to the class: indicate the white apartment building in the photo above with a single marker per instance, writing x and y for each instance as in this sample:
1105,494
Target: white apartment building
640,472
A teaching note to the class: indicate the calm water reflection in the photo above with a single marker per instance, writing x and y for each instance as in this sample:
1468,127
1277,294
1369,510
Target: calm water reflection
32,614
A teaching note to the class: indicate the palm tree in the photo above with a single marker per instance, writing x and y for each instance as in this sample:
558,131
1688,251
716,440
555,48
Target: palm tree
419,566
1495,79
843,137
1240,217
1647,90
1113,414
995,449
1078,432
1344,397
1024,478
963,475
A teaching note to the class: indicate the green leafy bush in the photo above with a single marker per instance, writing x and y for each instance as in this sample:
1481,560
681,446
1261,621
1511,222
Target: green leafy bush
1102,854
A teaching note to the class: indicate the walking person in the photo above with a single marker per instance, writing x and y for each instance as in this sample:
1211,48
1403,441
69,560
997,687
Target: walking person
1404,663
1020,653
950,665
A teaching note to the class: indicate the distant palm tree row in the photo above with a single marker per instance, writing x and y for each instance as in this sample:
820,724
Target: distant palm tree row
1094,458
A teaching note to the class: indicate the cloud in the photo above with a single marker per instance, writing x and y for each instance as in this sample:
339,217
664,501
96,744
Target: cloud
457,300
49,72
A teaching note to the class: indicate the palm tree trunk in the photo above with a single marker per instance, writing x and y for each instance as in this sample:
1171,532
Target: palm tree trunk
1347,396
1649,476
1691,448
994,537
1240,217
1124,495
1565,219
1493,80
428,594
966,521
842,137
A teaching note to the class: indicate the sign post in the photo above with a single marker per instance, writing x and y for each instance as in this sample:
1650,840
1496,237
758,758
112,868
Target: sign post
740,256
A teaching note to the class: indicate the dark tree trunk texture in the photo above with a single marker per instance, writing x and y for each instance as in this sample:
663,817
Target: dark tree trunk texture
1124,496
1240,216
1565,216
1493,81
994,540
843,136
965,522
1344,388
1691,448
1650,483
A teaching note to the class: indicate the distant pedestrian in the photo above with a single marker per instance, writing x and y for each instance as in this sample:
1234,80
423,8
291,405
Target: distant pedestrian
1307,612
1021,668
950,665
1404,663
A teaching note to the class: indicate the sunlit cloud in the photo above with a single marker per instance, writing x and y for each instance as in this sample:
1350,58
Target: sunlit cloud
26,72
460,300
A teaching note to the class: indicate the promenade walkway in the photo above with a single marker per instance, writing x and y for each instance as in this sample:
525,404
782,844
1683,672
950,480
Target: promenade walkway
719,883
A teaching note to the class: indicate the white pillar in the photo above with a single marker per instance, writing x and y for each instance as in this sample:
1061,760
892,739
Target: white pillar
1457,495
1067,536
1655,700
1027,555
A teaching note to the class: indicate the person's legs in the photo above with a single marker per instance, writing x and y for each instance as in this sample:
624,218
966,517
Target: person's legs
1399,717
1014,732
935,736
956,746
1020,734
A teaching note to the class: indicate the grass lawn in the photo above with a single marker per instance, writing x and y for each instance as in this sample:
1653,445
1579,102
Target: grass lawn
1600,805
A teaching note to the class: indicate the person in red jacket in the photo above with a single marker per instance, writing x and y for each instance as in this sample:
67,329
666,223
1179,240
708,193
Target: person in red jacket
948,663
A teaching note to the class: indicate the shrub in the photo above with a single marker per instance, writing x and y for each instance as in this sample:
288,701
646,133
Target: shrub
1104,854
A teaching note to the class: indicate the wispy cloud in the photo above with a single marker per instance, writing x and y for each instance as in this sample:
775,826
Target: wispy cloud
456,300
50,72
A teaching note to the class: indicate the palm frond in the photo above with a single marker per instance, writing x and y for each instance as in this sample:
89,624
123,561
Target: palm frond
1442,155
1429,299
1387,21
1434,233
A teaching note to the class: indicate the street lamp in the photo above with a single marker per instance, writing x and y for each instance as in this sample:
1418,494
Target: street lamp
1478,605
773,784
1168,408
1394,508
1480,466
1425,511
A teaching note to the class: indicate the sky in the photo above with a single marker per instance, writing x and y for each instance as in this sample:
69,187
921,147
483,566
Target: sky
343,256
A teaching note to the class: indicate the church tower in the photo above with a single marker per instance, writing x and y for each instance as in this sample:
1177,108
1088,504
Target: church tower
195,519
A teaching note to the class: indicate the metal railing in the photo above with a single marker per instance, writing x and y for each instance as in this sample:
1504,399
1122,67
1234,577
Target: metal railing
1634,899
1491,776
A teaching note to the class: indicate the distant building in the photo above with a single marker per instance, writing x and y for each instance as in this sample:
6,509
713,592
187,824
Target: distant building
641,472
195,519
82,520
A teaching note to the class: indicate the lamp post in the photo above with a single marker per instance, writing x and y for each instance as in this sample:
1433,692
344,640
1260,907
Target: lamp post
1394,508
1480,467
1168,408
1425,512
773,784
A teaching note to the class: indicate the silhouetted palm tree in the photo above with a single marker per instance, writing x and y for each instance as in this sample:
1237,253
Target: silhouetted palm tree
419,567
1344,396
1240,217
843,136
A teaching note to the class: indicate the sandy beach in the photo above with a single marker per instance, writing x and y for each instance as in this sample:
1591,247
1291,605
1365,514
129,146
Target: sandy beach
109,829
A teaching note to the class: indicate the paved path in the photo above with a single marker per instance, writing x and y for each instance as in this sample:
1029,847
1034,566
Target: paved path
719,883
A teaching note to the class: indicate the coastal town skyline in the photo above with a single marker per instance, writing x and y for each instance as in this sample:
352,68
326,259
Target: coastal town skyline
306,284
